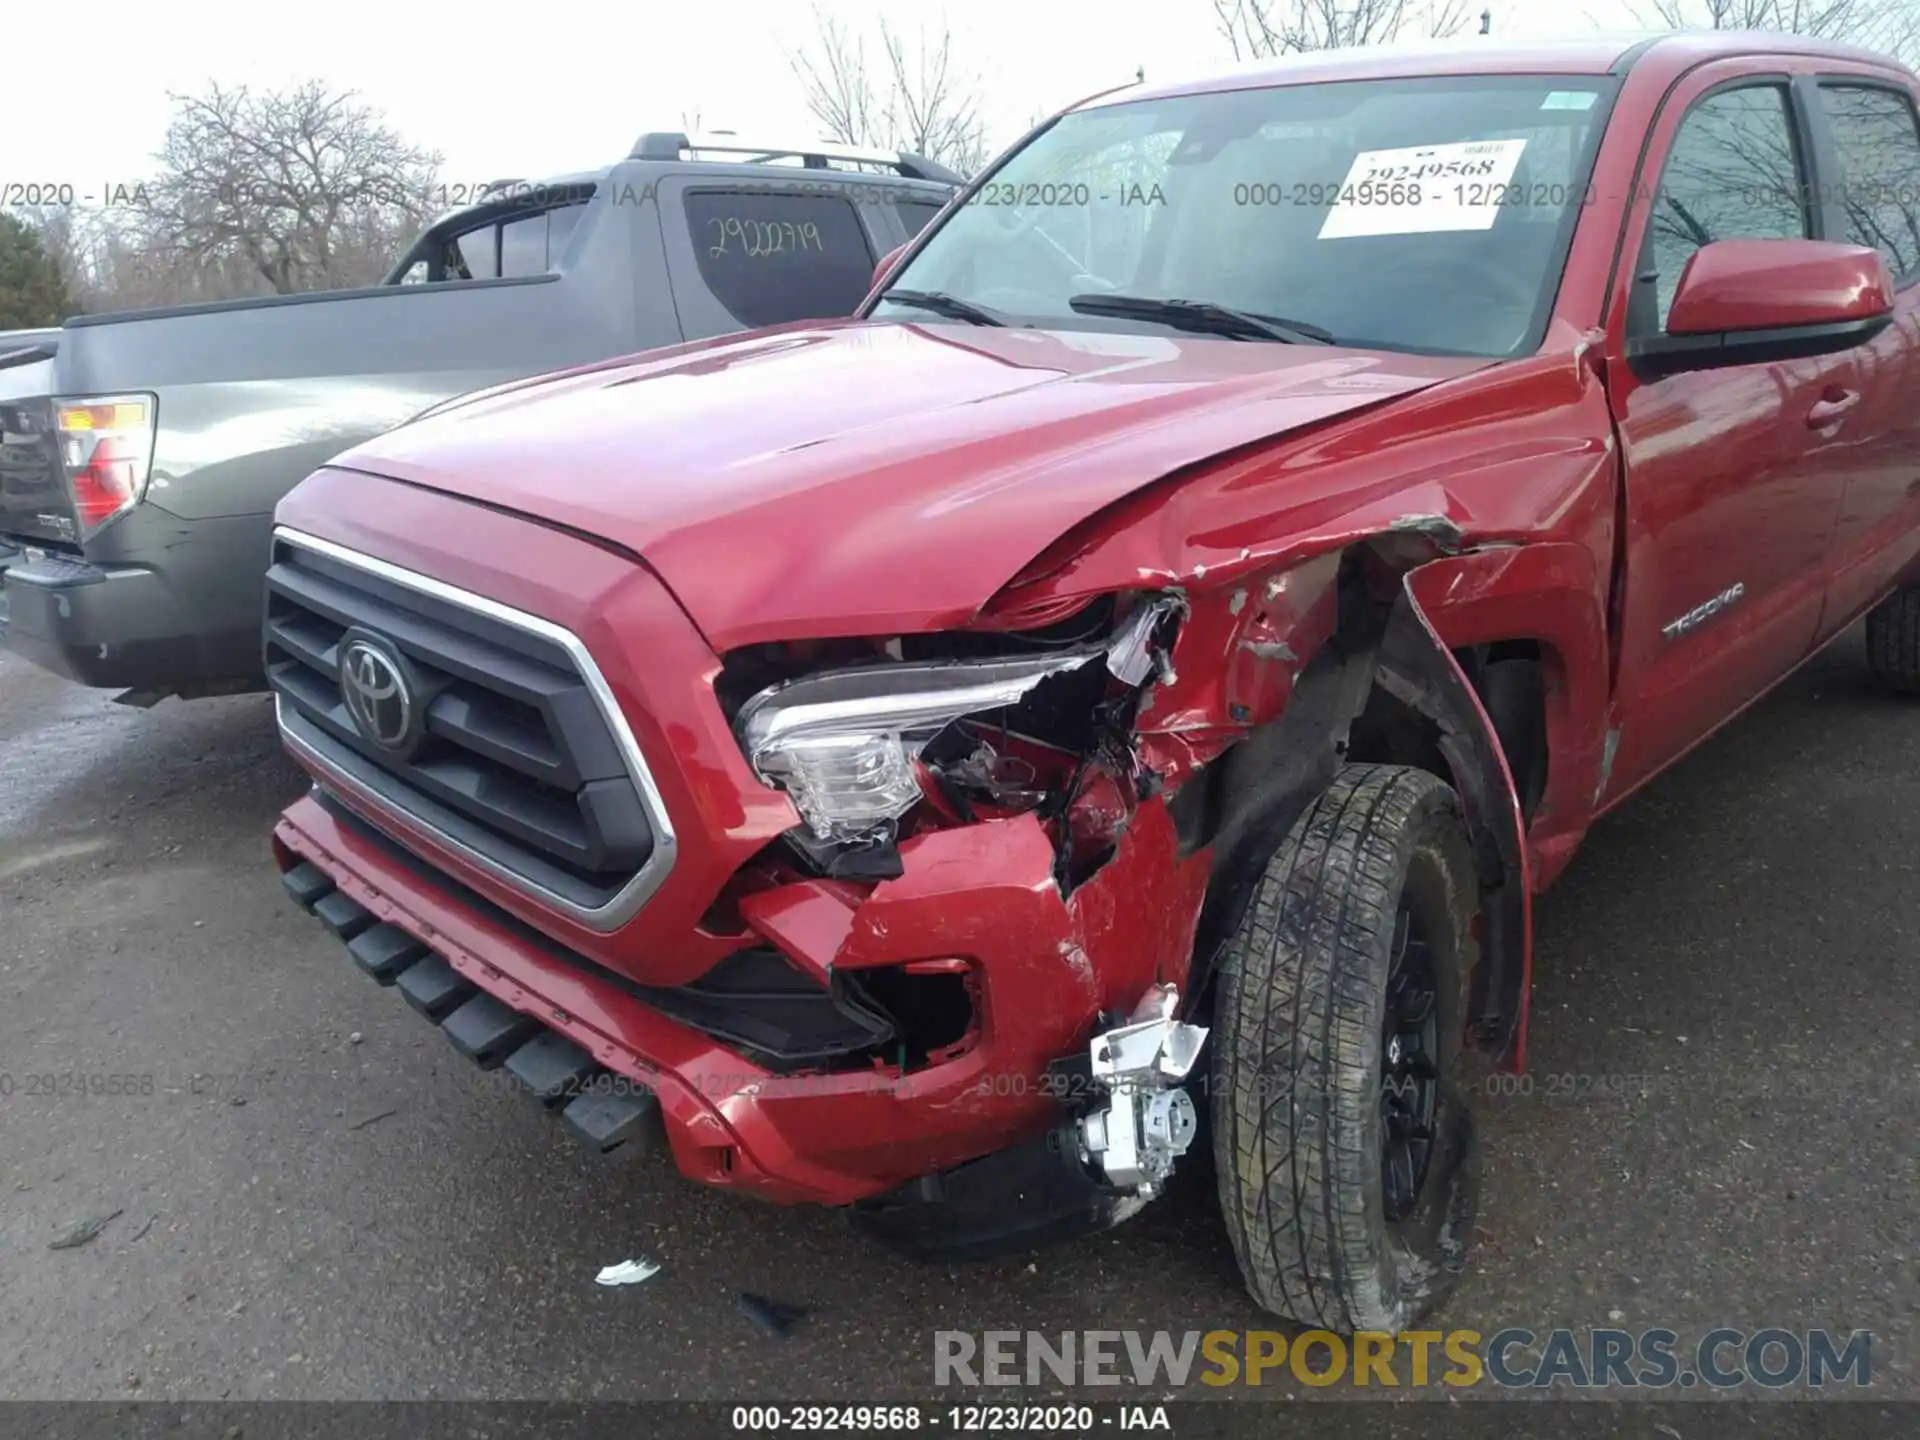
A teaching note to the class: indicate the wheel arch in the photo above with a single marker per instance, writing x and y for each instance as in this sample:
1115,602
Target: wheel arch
1414,643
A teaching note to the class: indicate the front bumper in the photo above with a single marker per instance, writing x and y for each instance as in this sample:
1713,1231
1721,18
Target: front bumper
1048,967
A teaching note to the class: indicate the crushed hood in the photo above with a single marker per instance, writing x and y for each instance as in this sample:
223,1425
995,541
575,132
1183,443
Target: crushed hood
860,478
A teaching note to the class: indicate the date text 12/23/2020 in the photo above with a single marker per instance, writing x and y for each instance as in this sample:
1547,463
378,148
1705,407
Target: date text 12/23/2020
957,1419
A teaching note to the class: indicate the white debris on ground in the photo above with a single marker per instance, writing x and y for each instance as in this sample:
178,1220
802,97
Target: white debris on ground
628,1272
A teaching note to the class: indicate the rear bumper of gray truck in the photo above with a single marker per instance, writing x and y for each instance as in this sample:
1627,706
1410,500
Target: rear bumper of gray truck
185,620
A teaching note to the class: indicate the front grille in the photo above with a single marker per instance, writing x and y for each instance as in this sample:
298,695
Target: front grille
517,763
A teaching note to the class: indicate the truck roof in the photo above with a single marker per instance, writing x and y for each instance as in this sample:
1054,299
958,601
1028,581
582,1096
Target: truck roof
1601,54
674,145
720,152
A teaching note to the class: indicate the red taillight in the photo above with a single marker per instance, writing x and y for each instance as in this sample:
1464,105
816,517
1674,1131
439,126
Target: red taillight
106,448
106,485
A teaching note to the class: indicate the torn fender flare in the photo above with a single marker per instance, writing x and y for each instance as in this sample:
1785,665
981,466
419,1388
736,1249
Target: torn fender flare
1416,666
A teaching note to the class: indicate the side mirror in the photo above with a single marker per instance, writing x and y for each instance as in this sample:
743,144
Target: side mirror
1747,302
886,264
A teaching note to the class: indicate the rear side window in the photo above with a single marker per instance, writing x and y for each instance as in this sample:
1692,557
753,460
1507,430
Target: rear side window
915,214
480,253
529,242
1733,174
1879,181
770,257
523,246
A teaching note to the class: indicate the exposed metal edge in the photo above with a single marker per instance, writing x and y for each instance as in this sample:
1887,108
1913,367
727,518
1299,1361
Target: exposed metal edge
637,891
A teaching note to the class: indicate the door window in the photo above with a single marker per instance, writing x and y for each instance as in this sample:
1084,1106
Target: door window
770,257
1879,182
915,215
1733,173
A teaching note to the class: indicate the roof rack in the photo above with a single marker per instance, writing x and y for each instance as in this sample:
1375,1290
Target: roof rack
814,154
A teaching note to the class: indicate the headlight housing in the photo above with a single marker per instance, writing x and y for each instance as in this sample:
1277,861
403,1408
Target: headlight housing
843,744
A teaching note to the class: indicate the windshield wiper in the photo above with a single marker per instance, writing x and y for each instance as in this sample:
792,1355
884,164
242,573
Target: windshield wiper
1205,317
941,303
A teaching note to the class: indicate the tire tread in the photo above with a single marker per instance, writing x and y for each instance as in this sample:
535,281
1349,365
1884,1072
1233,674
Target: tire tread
1297,1005
1893,641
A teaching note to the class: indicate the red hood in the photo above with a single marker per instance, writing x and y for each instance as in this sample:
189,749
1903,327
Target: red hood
867,479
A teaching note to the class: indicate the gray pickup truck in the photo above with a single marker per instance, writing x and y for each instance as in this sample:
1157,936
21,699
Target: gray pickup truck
142,454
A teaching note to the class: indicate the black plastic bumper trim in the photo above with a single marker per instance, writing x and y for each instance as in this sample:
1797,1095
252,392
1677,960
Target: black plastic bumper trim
307,884
385,951
1010,1202
342,914
552,1068
434,988
609,1120
606,1111
487,1032
701,1006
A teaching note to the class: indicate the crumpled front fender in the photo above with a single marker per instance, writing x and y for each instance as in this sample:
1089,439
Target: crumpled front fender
1416,667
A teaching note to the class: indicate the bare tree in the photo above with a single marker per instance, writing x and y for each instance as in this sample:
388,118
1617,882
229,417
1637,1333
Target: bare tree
917,99
932,109
839,92
306,189
1257,29
111,263
1878,24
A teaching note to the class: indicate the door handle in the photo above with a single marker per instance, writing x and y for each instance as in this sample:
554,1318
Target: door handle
1831,408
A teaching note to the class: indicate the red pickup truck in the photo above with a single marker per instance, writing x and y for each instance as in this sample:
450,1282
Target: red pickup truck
1128,682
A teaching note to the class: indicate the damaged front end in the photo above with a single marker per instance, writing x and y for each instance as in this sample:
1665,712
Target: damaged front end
936,731
1207,716
923,769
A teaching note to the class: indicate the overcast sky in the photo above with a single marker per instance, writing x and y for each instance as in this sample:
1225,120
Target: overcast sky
531,90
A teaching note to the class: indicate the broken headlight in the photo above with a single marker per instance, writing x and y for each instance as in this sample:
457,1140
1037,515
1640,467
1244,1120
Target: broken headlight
843,745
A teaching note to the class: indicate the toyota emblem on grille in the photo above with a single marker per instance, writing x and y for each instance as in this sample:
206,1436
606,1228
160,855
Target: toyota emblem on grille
373,683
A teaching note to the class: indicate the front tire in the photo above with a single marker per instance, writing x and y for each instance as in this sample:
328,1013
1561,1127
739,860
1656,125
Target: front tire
1341,1133
1893,641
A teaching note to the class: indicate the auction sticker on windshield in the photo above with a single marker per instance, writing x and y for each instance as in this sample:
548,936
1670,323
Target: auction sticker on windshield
1423,188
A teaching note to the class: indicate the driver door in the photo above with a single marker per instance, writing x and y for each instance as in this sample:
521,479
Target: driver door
1733,475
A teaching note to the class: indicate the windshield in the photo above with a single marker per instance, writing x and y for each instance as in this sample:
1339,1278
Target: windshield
1429,215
